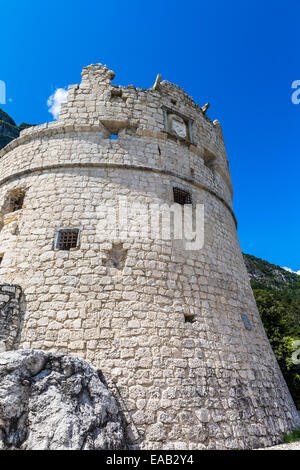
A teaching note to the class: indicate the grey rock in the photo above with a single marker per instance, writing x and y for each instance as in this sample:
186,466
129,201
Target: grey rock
56,402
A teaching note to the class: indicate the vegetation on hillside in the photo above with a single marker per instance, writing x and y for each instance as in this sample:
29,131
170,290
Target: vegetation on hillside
8,129
5,117
277,294
8,124
24,125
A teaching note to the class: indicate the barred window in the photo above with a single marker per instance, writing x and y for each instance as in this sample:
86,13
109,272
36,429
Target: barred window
67,239
182,197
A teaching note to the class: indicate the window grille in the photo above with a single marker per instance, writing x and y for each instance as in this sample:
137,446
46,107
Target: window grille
67,239
182,197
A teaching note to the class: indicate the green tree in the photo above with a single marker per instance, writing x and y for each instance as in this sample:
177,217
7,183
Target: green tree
278,313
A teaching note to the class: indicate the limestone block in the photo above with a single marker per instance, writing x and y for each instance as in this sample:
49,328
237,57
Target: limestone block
51,401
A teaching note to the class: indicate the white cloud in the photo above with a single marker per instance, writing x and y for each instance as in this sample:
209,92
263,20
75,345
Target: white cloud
55,101
291,271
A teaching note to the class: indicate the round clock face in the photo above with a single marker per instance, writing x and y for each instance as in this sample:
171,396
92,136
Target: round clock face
178,126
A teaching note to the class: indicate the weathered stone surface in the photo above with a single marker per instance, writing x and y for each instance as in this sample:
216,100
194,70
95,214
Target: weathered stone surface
11,310
163,322
53,401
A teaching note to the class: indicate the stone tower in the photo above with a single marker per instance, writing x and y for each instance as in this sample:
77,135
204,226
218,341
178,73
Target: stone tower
176,332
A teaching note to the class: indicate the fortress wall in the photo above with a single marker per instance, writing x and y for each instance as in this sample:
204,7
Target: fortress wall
11,316
176,332
207,384
96,148
93,112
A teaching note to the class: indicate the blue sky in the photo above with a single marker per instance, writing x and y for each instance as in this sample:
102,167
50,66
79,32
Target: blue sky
241,56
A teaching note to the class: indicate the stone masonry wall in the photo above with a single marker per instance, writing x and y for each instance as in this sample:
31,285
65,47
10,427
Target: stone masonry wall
125,304
11,312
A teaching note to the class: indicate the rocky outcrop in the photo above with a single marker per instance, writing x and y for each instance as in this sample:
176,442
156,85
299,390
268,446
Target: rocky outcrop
264,275
56,402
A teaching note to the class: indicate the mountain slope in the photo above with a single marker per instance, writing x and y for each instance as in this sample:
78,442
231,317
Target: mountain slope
8,129
277,294
269,276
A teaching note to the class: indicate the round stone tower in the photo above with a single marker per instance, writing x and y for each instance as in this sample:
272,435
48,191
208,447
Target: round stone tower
174,328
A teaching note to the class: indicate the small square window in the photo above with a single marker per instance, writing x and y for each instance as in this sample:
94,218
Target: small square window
66,239
182,197
18,203
189,318
116,93
14,201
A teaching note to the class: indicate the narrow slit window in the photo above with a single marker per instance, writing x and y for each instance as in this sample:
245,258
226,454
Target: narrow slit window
67,239
209,160
182,197
1,258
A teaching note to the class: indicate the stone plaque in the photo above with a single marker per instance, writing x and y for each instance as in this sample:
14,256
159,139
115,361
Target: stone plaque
178,126
246,321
